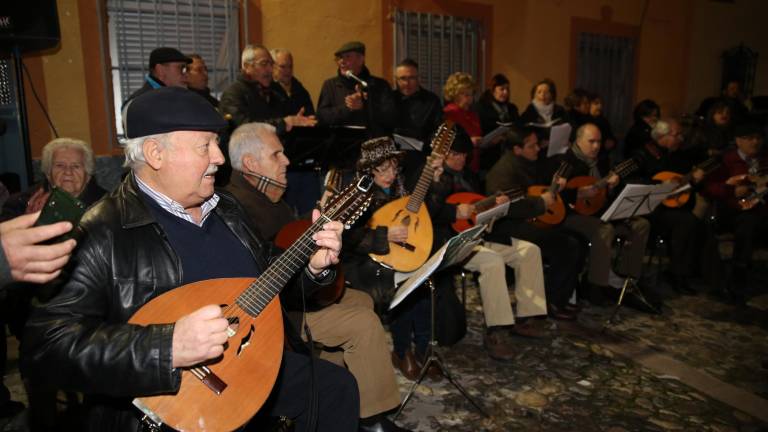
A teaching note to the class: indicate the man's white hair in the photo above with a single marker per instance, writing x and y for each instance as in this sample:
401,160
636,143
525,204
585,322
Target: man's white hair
249,54
275,51
248,138
46,163
134,149
660,129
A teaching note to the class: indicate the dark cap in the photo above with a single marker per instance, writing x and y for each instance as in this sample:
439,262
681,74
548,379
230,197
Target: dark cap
167,55
747,129
355,46
169,109
462,144
376,151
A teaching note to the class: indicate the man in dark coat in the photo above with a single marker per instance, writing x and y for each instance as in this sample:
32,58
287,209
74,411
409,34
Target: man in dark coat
167,68
163,227
346,102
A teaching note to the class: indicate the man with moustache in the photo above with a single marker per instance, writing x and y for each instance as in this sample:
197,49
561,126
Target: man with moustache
350,324
164,227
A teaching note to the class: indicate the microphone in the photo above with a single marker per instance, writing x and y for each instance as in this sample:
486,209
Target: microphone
349,74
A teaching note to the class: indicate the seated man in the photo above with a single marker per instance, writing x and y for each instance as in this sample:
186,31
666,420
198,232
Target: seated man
583,158
677,225
520,168
350,324
733,185
490,259
163,227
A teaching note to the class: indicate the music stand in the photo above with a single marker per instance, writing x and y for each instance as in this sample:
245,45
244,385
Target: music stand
635,200
453,251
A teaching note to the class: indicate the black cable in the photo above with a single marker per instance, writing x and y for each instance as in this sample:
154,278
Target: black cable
312,412
37,98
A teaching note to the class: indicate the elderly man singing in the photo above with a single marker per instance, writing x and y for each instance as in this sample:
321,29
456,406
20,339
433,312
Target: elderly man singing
164,227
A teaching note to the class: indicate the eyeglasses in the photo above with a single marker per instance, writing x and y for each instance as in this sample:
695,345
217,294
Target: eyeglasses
392,167
263,63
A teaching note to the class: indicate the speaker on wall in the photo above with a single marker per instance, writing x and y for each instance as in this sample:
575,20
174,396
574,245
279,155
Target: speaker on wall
30,25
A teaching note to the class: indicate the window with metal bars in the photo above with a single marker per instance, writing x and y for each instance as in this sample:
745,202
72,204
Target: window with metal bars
205,27
441,45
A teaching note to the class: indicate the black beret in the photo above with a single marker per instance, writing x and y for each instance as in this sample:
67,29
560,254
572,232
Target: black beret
355,46
167,55
747,129
462,144
169,109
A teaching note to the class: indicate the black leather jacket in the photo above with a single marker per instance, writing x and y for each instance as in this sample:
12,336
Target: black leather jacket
80,340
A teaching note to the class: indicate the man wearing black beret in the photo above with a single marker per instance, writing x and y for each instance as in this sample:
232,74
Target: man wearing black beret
164,227
356,100
167,68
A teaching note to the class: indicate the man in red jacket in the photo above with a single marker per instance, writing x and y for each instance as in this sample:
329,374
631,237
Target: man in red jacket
736,185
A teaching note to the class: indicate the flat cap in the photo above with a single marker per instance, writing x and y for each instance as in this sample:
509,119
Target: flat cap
355,46
748,128
167,55
169,109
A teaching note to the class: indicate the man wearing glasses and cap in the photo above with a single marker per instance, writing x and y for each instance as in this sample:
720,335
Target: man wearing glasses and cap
167,68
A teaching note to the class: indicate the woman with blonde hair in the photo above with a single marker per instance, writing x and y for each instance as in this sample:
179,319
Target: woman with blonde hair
459,93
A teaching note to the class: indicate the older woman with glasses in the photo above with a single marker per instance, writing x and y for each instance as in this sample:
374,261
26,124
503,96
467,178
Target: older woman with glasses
67,164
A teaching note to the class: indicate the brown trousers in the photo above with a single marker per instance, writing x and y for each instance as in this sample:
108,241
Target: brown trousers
601,237
352,326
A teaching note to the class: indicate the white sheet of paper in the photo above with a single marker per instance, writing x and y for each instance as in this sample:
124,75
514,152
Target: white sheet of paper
492,214
453,251
408,143
632,200
487,140
558,139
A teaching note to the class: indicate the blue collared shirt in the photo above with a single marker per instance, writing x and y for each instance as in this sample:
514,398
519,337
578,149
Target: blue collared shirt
176,209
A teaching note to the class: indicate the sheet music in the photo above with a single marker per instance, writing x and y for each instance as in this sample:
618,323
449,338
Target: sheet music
454,250
559,137
408,143
546,125
487,140
637,200
493,213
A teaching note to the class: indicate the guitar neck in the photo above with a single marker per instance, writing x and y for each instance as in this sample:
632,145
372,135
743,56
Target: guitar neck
490,202
420,191
268,285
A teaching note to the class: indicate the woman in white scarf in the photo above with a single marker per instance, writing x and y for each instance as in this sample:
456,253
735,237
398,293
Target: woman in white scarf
543,112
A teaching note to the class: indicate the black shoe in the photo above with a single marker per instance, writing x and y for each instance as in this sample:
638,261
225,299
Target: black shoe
11,408
379,423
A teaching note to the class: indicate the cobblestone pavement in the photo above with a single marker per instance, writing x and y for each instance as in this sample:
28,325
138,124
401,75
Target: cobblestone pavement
570,381
567,382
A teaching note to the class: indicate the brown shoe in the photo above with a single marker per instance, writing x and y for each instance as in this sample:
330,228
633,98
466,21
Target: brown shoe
498,347
527,329
407,365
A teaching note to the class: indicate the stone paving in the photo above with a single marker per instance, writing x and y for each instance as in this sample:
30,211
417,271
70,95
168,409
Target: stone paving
570,381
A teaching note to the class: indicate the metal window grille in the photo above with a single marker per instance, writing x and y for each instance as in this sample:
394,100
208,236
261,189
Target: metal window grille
605,65
136,27
441,45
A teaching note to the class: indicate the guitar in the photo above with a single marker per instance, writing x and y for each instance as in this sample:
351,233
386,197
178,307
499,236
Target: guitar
679,200
225,392
481,202
555,213
326,295
410,211
588,206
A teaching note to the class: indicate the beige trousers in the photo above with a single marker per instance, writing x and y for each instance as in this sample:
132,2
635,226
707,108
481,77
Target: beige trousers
525,259
352,326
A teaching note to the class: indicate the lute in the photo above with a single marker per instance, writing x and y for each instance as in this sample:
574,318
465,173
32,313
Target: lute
224,393
589,205
411,212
